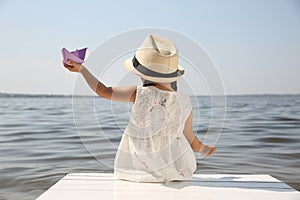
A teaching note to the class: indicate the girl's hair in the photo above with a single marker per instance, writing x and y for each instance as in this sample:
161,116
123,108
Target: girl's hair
149,83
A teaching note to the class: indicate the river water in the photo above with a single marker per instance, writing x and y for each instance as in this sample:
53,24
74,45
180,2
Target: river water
40,141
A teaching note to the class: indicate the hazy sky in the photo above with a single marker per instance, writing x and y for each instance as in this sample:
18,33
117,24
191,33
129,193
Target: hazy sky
255,44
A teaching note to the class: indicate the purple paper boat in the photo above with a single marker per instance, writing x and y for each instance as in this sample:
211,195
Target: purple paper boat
77,56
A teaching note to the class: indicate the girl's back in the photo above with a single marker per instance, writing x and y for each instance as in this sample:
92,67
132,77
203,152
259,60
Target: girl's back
153,147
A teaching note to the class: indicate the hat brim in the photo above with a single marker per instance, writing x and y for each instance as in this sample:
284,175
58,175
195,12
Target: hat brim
129,66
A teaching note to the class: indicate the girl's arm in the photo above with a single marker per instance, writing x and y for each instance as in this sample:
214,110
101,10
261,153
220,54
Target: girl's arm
196,145
189,134
122,94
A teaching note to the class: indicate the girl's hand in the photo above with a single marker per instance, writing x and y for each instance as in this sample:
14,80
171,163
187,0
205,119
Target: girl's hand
72,66
207,150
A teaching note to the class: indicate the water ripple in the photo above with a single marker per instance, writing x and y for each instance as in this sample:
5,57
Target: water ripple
40,142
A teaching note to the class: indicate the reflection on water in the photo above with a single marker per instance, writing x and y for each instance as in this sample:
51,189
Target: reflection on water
40,143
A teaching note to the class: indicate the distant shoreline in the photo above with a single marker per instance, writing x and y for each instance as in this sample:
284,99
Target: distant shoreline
18,95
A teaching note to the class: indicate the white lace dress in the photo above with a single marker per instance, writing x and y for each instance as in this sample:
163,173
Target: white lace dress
153,147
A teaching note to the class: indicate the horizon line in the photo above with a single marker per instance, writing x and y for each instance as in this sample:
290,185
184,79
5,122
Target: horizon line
3,94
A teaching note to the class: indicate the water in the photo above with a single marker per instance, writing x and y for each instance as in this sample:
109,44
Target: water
39,143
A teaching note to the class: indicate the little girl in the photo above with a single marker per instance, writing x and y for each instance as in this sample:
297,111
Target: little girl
158,143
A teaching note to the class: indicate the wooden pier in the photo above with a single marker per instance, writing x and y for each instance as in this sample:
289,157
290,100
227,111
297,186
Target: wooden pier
90,186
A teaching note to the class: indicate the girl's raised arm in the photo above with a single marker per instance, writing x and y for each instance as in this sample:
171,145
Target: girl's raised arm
121,94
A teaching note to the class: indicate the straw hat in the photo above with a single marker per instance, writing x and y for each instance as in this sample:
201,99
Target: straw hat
156,60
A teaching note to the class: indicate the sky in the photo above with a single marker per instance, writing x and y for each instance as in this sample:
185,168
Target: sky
255,45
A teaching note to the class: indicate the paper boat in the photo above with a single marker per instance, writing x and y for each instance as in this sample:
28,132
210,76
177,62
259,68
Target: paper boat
77,56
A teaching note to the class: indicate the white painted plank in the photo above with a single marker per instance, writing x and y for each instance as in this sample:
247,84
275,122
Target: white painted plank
91,186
